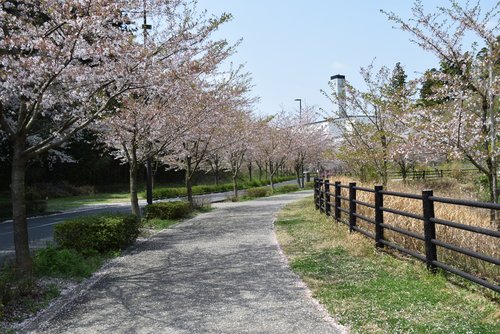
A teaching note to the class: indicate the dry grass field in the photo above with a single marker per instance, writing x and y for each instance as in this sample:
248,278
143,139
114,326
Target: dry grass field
449,188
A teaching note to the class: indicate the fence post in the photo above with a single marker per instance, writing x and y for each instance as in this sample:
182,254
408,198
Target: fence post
429,229
328,207
321,196
379,216
337,200
352,206
316,192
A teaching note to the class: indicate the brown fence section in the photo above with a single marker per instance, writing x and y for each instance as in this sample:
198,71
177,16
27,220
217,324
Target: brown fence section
465,250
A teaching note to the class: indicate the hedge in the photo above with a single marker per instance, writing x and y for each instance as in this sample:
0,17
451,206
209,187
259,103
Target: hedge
172,192
168,210
259,192
102,233
287,188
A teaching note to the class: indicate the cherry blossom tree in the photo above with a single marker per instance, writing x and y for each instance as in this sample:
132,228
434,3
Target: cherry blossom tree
66,64
216,99
273,141
310,139
174,60
238,131
63,64
465,122
143,129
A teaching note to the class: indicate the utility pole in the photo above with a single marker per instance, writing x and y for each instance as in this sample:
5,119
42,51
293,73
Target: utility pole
149,169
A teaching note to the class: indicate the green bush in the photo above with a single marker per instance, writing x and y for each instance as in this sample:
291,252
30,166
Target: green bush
259,192
168,192
172,192
256,183
309,185
283,178
168,210
288,188
102,233
62,262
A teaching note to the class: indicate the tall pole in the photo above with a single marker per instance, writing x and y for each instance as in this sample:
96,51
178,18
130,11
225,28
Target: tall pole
301,179
149,169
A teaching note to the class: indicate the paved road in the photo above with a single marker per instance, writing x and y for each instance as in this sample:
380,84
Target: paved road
221,272
41,229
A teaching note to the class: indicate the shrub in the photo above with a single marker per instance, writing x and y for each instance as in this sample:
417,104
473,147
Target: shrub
102,233
168,192
158,224
35,202
256,183
259,192
168,210
288,188
64,262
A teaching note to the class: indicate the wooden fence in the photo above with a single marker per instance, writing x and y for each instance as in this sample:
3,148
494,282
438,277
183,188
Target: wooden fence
331,203
431,174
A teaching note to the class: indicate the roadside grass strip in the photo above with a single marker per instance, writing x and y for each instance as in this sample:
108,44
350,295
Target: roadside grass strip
373,291
67,203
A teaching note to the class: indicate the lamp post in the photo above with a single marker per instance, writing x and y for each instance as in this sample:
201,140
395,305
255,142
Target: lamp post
301,179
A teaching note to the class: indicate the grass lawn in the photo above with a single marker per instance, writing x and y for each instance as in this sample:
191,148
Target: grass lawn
372,291
67,203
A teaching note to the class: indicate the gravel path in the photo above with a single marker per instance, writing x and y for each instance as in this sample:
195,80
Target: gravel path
221,272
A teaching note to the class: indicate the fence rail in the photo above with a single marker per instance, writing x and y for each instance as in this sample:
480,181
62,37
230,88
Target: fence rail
431,174
344,209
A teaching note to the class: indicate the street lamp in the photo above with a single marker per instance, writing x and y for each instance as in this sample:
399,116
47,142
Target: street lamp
300,107
301,180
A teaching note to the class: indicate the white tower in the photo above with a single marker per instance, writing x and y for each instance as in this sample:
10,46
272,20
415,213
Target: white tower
339,88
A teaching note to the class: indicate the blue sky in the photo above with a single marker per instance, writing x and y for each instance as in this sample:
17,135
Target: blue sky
293,47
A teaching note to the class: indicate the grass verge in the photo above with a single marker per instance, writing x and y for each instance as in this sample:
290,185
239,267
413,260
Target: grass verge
253,193
54,269
68,203
156,224
375,292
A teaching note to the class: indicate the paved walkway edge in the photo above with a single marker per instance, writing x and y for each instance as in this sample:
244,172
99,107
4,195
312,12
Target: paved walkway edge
308,293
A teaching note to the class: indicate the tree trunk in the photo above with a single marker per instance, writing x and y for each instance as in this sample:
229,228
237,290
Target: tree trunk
134,199
302,176
495,221
385,161
24,264
403,166
149,181
297,172
271,172
189,185
267,174
235,186
216,177
249,171
493,134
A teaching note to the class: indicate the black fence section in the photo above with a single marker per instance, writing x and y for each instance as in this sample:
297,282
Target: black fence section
431,174
329,200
